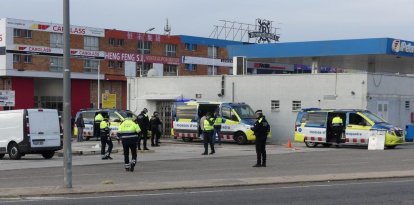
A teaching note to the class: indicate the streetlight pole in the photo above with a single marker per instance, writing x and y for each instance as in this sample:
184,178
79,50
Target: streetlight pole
142,51
99,85
67,143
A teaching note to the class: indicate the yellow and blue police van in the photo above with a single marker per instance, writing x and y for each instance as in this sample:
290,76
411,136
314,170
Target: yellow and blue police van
314,127
115,117
238,119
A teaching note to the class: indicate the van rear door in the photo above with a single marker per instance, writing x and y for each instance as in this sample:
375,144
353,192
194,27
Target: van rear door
44,128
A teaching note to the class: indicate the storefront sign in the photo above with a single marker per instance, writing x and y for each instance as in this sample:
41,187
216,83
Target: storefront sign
138,58
207,61
271,66
40,50
56,28
7,98
402,46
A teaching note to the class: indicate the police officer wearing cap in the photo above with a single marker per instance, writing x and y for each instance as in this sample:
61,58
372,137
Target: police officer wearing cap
128,133
105,139
261,128
143,122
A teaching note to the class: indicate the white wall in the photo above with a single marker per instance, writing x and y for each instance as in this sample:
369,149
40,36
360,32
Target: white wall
258,91
395,90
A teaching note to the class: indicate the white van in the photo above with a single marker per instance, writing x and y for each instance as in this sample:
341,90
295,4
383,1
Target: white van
30,131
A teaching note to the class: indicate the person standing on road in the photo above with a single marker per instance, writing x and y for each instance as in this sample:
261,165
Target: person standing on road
80,124
105,139
261,128
128,133
337,128
155,125
143,122
217,127
97,123
208,134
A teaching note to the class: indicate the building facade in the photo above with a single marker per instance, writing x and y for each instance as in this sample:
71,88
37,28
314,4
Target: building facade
31,62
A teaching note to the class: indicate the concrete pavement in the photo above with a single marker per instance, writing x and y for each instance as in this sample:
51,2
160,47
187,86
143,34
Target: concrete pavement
184,167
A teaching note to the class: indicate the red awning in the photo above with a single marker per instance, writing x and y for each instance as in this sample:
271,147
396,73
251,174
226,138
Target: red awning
115,77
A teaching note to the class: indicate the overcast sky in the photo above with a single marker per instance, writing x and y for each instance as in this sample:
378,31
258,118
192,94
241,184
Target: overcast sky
299,20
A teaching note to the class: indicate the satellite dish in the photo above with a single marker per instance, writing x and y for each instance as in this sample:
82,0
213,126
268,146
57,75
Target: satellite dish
152,72
167,29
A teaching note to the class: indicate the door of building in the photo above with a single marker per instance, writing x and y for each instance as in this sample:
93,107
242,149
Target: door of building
164,109
382,110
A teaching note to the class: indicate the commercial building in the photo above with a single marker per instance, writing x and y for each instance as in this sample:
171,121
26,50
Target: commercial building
373,74
31,62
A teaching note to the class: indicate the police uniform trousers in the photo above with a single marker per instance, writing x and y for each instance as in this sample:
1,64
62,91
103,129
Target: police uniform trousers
97,129
208,139
143,135
130,143
261,150
337,132
105,139
155,137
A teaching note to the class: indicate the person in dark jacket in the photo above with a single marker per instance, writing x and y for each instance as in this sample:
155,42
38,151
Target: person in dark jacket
143,122
80,124
155,125
261,128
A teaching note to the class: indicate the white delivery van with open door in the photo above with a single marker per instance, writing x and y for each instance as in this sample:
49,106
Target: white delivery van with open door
30,131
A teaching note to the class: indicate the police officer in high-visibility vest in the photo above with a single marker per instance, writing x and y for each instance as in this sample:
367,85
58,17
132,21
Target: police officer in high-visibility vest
128,133
208,134
217,127
261,128
105,139
96,126
337,128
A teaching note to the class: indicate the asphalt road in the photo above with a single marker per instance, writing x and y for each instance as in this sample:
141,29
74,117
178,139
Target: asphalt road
387,192
343,160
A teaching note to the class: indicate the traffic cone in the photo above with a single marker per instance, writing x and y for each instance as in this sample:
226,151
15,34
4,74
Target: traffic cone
289,144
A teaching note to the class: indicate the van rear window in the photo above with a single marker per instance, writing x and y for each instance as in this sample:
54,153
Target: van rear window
316,119
187,112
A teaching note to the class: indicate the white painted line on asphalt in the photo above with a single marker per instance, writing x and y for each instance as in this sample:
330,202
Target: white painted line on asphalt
36,199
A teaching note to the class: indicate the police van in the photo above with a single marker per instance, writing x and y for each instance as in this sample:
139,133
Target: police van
30,131
314,126
238,118
115,117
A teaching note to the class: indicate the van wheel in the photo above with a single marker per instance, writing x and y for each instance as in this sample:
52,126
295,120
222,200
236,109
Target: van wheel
326,145
48,154
86,138
1,156
311,144
187,139
391,146
240,138
14,152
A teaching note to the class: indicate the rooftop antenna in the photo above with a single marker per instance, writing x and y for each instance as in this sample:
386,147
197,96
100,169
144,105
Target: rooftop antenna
167,29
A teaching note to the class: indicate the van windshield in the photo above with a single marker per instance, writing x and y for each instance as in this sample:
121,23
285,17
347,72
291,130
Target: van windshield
373,117
244,111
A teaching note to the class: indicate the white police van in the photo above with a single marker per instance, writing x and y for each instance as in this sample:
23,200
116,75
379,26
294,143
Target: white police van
30,131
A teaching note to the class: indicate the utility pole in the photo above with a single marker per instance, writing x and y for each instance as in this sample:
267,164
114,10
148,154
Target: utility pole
67,107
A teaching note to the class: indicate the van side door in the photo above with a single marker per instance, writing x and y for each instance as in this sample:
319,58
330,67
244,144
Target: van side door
315,127
357,129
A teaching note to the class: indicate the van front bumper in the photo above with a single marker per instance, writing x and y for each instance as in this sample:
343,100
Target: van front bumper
391,139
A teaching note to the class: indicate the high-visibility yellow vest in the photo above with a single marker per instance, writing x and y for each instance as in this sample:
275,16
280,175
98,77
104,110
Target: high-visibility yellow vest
103,125
337,120
99,117
129,126
207,126
218,121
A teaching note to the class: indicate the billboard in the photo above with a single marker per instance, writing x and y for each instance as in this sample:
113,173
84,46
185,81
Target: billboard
52,27
108,100
7,98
